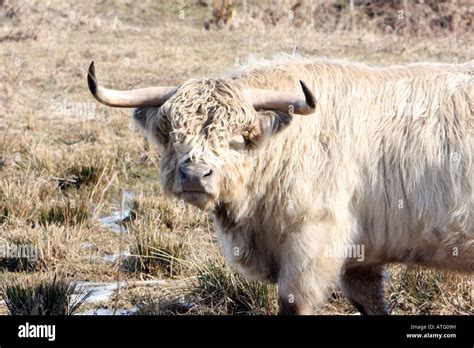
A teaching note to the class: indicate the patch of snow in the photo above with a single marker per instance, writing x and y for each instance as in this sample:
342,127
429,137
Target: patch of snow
109,258
115,257
115,221
107,311
102,292
88,245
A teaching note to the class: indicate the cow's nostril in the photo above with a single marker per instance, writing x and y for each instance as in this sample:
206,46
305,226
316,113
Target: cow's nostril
182,173
207,173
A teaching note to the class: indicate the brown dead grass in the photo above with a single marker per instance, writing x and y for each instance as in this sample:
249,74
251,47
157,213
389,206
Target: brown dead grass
66,161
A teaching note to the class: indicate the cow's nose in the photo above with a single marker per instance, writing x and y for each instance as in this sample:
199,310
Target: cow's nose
194,176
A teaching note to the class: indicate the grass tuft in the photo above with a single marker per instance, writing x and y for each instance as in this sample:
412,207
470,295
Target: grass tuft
421,291
65,213
156,252
41,295
226,292
149,305
79,176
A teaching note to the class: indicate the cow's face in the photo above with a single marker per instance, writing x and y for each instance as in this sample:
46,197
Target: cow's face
207,131
206,134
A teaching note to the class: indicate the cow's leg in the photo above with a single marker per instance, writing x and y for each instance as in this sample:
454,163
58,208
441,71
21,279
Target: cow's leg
363,286
306,273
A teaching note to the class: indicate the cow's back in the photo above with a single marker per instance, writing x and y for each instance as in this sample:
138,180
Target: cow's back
392,146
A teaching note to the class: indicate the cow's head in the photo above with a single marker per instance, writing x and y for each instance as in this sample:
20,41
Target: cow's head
206,131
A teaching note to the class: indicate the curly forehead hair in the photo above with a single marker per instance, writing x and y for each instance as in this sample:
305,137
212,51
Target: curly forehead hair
211,109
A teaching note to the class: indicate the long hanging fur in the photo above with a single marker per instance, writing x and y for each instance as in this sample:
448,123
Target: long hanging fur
385,162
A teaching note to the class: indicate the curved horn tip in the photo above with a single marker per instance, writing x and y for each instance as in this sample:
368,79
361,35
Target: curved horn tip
91,81
308,95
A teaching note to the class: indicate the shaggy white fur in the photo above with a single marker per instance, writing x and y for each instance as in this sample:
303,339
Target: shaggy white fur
385,161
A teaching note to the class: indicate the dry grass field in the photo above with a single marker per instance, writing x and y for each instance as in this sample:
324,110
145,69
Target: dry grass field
71,168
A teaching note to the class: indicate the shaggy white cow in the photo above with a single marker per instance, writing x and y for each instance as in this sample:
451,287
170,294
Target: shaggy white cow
375,167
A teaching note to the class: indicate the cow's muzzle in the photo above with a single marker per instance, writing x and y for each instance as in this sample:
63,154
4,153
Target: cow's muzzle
194,177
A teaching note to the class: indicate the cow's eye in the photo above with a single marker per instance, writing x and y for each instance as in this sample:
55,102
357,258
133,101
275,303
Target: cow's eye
237,143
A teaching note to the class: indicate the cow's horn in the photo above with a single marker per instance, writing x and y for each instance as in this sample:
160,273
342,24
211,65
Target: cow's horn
141,97
274,100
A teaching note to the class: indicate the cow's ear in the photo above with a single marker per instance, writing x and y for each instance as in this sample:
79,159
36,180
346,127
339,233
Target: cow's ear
267,124
140,118
156,132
